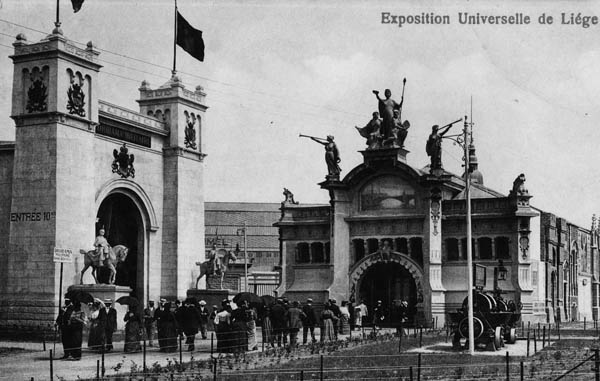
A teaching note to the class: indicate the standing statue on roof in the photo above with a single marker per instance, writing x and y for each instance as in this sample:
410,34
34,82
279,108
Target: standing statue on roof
371,131
386,110
434,146
332,155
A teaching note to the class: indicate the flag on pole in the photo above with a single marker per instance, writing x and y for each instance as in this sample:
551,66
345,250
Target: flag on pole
77,5
189,38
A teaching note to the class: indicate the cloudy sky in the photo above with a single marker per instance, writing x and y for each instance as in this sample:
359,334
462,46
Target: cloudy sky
273,70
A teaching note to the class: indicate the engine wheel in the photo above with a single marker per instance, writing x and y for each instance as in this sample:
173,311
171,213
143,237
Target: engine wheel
498,341
463,328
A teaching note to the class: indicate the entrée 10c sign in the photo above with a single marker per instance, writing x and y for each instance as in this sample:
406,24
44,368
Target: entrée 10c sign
32,216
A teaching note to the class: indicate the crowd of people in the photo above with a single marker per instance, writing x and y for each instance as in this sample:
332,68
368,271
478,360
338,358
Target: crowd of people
235,328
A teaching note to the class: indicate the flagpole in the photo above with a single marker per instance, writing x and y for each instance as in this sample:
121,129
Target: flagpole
57,23
174,42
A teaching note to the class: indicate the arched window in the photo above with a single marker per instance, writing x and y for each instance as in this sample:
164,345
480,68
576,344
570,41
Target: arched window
485,248
359,249
302,253
372,245
416,249
402,245
318,254
502,248
452,249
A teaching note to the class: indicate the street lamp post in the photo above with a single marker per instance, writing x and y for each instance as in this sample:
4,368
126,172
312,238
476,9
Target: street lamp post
245,255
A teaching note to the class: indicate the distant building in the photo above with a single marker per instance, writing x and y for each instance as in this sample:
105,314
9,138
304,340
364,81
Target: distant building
224,224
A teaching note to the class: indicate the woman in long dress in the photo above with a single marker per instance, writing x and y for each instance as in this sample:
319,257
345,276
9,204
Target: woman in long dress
327,330
97,336
344,318
132,330
222,328
251,329
239,338
267,328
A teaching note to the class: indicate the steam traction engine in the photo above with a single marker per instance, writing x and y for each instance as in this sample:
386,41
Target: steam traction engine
494,321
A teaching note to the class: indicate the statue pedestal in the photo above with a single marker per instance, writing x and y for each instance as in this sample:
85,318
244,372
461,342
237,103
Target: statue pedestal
107,291
211,297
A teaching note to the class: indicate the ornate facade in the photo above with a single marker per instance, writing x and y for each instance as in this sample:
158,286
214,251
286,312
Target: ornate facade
394,232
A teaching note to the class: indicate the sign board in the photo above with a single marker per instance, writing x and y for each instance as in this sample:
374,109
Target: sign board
62,255
479,276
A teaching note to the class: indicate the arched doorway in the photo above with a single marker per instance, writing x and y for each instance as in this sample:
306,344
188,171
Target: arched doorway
391,283
120,217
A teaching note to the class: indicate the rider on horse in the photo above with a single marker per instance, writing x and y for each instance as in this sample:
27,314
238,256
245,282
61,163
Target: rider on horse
102,248
213,260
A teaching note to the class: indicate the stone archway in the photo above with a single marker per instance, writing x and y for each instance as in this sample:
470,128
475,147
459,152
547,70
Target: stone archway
124,210
378,268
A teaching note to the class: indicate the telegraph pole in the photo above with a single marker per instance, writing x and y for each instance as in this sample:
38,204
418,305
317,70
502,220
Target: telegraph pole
245,257
466,144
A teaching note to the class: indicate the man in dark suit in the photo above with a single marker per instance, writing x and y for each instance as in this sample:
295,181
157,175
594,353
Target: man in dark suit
337,313
295,318
279,321
188,317
149,321
203,311
310,321
62,323
111,323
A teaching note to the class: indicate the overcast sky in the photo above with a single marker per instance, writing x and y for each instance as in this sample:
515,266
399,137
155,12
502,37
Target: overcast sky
273,70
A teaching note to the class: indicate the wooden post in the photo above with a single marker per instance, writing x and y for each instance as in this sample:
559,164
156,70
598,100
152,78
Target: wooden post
419,368
212,341
51,366
216,368
507,366
534,343
97,369
522,371
144,358
180,352
597,364
527,343
44,342
421,337
321,373
411,373
544,338
301,375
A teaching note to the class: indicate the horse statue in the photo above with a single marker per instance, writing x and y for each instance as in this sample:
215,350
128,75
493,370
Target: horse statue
207,268
116,254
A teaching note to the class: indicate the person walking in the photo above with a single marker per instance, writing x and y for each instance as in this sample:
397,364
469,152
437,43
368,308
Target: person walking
344,327
239,338
62,324
338,314
204,314
251,317
310,321
267,328
97,332
76,321
132,330
278,319
295,318
223,327
167,327
327,327
111,324
149,321
189,318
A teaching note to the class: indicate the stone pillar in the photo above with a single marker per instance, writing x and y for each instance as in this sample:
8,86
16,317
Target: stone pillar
184,112
55,109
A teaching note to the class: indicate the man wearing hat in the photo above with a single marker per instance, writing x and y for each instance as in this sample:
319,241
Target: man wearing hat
111,323
62,323
149,321
310,321
203,311
378,315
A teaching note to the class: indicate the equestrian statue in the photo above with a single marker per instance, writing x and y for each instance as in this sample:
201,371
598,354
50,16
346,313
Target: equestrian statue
215,265
94,259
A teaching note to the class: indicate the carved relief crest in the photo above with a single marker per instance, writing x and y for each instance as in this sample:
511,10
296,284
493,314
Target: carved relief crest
190,131
76,101
37,96
123,163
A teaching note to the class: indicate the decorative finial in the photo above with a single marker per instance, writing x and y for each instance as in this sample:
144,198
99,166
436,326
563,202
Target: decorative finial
21,37
57,29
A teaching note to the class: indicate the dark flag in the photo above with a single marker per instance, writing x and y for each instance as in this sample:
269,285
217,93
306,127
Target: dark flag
189,39
77,5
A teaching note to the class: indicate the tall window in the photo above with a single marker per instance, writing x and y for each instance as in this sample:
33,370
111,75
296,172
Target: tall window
402,245
452,252
485,248
302,253
359,249
372,245
328,252
318,253
502,248
416,249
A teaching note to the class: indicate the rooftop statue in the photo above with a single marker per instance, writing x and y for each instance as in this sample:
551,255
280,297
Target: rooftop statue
371,131
434,146
332,155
